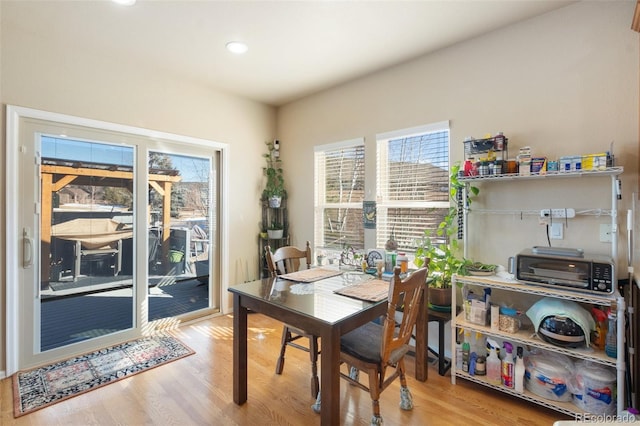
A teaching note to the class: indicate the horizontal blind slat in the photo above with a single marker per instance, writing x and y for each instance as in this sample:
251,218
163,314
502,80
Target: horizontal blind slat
339,188
412,170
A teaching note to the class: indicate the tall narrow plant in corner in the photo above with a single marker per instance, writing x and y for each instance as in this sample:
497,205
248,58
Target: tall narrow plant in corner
274,190
441,245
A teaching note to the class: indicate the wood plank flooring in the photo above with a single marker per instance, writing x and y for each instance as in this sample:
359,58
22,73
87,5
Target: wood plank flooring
197,390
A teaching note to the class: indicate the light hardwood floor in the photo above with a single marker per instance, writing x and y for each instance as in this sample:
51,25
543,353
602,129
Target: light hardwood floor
197,390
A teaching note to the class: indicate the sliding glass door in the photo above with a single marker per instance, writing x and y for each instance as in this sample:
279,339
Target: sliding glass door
181,199
87,235
115,235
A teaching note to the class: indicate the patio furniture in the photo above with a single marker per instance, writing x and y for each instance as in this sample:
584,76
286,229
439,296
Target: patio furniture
93,238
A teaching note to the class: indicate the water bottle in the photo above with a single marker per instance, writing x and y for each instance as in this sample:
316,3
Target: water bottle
611,347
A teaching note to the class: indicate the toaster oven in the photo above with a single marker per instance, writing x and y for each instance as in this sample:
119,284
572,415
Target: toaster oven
569,268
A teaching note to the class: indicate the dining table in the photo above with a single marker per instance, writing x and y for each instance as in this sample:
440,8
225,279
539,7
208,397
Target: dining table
315,307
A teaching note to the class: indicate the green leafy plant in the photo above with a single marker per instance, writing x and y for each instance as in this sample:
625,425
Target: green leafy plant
273,172
275,225
441,245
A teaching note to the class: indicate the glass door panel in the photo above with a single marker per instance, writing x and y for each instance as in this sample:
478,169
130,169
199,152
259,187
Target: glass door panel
181,201
110,242
86,240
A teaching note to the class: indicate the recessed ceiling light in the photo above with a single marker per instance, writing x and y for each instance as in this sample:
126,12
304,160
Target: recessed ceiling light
125,2
237,47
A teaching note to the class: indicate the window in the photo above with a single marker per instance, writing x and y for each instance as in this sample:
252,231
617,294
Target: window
339,192
412,183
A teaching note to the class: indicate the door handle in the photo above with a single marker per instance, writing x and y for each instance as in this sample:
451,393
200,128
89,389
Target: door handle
27,249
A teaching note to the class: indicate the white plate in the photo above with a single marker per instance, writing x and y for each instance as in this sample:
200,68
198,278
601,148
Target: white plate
479,273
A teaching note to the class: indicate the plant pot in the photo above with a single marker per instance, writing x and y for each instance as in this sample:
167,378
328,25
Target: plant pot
440,296
275,234
275,201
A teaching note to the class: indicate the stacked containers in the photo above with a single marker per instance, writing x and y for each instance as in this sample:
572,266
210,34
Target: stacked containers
547,375
594,388
590,386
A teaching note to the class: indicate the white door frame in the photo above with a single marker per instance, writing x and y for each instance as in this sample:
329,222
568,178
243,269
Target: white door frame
14,239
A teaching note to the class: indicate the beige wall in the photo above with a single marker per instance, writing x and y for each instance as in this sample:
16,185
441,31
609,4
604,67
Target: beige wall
563,83
36,72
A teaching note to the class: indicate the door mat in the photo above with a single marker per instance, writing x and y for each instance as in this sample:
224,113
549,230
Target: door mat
40,387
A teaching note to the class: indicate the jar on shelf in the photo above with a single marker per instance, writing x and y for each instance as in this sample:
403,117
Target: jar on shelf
499,141
403,262
468,168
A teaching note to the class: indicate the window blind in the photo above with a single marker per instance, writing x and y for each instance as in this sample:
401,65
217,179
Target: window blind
339,192
412,186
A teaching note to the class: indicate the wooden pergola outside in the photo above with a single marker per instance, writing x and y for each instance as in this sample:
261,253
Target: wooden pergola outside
56,174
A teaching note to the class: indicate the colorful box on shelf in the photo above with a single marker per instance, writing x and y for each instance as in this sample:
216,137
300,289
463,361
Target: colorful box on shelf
570,163
538,165
594,161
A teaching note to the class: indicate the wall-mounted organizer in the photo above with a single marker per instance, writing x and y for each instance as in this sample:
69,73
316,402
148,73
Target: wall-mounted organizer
487,156
530,292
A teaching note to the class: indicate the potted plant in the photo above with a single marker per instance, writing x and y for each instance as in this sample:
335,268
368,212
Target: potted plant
275,231
441,246
274,190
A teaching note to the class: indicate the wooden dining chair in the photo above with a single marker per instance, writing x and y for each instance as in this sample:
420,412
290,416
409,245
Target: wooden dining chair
283,261
374,348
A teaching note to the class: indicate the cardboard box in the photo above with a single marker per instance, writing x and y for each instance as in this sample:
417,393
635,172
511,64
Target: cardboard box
594,161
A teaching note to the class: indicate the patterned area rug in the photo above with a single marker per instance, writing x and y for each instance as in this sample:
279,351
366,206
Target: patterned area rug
40,387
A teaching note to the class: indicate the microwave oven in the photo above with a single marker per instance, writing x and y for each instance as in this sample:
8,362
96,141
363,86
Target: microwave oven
568,268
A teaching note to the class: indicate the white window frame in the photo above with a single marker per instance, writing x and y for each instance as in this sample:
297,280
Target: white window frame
320,203
382,176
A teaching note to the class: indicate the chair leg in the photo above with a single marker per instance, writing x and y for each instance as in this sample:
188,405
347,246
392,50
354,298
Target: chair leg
313,354
374,391
406,399
286,336
316,407
354,373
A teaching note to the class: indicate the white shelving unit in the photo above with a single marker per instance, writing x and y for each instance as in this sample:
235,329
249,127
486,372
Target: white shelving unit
526,337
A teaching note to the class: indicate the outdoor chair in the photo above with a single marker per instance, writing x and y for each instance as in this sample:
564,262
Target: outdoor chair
283,261
374,348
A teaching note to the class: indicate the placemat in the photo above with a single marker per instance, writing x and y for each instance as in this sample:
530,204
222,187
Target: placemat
371,291
311,275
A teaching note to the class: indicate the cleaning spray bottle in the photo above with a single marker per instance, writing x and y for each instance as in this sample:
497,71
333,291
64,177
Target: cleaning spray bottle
518,375
493,363
507,366
466,351
459,340
599,336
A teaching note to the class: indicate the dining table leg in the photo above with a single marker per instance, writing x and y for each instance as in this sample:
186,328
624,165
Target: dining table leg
330,378
239,351
422,338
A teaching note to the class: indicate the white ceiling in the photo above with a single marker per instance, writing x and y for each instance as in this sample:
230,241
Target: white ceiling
295,48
